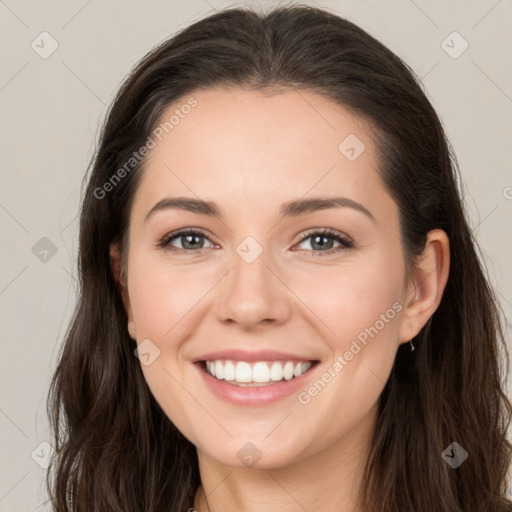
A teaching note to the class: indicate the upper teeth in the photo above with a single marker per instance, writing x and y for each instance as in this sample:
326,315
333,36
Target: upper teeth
261,371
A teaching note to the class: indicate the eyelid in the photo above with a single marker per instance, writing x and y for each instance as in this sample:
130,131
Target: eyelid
164,241
327,232
344,240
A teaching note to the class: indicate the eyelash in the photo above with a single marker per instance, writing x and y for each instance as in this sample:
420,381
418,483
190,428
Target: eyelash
345,243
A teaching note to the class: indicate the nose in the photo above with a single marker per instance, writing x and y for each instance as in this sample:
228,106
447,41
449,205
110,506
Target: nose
253,294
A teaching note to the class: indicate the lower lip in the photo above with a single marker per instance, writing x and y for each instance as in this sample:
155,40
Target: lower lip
254,396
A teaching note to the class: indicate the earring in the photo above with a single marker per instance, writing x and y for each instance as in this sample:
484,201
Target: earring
410,341
131,329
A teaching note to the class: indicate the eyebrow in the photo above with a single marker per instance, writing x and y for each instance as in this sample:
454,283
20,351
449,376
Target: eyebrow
293,208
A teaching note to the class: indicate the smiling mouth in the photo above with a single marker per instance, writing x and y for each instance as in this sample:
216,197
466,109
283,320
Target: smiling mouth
258,373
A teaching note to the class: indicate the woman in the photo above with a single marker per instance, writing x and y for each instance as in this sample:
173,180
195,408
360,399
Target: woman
332,342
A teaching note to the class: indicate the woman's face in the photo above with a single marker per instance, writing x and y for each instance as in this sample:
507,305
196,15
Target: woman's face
258,287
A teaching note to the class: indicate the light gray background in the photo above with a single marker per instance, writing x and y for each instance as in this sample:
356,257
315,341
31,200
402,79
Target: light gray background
51,111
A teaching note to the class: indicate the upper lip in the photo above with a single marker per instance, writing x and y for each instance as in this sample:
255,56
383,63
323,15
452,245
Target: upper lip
250,356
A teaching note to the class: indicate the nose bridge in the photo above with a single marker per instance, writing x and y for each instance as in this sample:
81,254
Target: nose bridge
250,264
253,293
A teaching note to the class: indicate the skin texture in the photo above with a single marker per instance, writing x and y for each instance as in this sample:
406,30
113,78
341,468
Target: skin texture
250,152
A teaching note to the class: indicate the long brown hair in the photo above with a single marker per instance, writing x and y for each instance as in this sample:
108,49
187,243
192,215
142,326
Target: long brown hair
116,450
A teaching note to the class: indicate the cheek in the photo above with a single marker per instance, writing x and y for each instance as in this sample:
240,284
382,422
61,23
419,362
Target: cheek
359,309
347,299
162,300
363,312
161,296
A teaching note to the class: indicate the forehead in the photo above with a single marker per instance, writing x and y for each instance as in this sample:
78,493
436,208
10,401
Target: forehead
249,148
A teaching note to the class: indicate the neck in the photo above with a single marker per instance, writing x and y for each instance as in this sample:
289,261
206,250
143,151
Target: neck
329,480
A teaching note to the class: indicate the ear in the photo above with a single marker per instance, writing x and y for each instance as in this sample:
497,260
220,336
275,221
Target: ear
425,290
120,277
